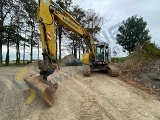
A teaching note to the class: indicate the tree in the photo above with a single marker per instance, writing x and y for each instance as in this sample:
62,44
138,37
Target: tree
18,27
90,20
64,4
132,32
30,8
5,9
8,36
1,25
93,22
79,15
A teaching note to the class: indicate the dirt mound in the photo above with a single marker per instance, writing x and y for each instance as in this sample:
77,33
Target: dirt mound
65,59
144,75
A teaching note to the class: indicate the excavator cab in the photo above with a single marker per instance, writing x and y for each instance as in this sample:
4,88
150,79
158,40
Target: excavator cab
102,53
101,57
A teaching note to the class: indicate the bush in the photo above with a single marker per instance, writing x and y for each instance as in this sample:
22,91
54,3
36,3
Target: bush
146,51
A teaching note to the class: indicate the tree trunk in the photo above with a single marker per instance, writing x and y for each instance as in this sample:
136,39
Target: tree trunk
83,50
79,49
1,60
38,50
60,40
24,47
1,25
72,50
56,42
7,54
75,49
17,53
31,55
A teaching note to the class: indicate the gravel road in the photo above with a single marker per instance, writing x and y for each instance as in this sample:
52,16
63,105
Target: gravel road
98,97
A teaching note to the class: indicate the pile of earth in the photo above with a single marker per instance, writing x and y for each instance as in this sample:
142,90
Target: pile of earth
70,60
145,76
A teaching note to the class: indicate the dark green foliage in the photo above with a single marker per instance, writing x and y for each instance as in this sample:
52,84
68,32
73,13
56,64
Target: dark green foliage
64,4
132,32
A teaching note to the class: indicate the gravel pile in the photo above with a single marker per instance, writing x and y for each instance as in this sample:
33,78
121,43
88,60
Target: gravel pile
65,59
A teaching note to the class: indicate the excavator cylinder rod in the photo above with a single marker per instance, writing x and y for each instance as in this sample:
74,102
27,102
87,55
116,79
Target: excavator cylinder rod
45,89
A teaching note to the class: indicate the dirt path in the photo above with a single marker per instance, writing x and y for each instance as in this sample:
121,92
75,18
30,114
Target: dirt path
98,97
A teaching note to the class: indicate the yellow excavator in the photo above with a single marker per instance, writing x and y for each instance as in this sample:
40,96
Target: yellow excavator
96,57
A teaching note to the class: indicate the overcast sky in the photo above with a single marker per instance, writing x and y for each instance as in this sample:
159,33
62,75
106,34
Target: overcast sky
118,10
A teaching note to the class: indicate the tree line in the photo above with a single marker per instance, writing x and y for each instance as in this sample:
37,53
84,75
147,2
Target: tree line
19,27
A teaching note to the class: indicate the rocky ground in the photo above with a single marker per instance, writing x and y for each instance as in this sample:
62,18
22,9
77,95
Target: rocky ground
143,75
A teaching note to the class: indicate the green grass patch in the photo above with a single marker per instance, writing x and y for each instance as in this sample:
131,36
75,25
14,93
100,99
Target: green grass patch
118,59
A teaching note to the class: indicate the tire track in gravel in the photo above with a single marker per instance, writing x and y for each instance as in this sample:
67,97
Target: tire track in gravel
127,107
107,108
90,108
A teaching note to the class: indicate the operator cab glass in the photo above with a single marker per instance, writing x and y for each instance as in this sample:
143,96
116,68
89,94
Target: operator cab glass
101,53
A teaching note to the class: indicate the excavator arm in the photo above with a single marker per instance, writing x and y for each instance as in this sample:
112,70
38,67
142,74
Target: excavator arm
48,13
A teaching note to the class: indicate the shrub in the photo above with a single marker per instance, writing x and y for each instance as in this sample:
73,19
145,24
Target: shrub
146,51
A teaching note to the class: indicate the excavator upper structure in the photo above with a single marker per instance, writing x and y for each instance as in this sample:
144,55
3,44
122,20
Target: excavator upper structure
97,56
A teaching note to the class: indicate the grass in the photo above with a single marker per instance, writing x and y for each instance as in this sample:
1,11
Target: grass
13,63
118,59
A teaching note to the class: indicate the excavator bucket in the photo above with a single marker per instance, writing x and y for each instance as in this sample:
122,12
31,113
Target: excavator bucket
45,89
